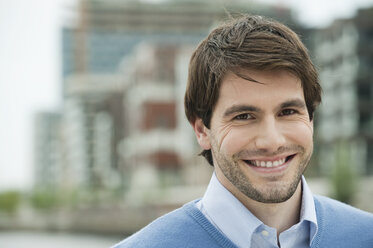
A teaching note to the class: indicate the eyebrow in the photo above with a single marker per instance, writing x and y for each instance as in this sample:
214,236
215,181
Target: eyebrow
293,103
240,108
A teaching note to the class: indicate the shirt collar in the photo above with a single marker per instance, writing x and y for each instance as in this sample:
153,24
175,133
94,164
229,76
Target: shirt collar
308,211
233,219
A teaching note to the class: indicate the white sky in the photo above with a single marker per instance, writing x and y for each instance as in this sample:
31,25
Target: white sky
30,69
29,80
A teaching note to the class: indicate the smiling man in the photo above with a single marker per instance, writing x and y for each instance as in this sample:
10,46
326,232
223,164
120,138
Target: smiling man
251,95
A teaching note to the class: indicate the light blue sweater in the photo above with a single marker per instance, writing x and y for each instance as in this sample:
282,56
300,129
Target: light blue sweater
339,225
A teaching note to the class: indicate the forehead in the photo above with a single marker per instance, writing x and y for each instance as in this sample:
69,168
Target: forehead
259,87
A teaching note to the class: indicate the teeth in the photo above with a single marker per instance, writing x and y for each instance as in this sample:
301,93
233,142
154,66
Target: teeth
268,164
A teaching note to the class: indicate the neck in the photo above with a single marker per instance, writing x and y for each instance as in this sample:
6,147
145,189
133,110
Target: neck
277,215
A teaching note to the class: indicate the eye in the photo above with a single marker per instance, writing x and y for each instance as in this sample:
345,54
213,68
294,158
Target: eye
288,112
244,117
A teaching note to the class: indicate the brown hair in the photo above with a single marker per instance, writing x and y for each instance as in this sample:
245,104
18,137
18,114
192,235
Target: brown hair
251,42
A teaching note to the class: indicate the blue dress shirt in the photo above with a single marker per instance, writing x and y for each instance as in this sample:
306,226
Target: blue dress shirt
236,222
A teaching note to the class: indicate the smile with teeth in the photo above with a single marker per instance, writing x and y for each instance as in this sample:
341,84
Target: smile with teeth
268,164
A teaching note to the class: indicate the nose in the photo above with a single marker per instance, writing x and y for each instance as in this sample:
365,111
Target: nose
269,135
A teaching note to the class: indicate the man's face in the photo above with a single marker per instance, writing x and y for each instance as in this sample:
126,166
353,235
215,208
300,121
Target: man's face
260,134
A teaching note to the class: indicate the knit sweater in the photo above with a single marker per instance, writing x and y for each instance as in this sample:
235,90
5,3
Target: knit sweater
339,225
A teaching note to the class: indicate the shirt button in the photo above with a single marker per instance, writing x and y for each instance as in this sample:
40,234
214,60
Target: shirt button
265,233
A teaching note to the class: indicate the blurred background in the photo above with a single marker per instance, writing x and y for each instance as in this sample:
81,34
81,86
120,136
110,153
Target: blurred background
93,139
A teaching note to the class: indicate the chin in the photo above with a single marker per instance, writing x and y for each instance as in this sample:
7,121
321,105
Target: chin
270,192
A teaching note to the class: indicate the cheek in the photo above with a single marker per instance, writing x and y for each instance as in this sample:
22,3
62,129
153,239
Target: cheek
299,132
235,140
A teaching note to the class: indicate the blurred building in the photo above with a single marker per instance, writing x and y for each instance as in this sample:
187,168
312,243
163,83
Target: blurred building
344,53
48,152
106,30
93,126
160,145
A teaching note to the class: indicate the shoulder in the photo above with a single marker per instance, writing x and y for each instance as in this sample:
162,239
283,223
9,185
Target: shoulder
333,208
343,225
159,232
183,227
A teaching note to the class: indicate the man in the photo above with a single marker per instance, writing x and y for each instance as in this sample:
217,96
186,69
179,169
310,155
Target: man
251,95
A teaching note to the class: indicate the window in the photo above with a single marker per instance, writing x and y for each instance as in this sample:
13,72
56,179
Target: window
159,115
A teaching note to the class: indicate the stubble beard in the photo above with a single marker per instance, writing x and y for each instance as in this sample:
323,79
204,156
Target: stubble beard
232,171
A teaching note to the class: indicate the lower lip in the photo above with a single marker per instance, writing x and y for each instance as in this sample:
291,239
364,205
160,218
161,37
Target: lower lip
270,170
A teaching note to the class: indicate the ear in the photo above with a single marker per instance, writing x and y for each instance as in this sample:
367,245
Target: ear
201,132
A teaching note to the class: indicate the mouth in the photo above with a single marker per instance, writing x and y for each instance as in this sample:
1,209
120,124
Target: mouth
270,163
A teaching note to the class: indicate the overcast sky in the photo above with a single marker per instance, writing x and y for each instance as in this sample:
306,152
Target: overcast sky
30,69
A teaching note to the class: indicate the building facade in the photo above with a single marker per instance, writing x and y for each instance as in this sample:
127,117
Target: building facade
48,163
344,54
